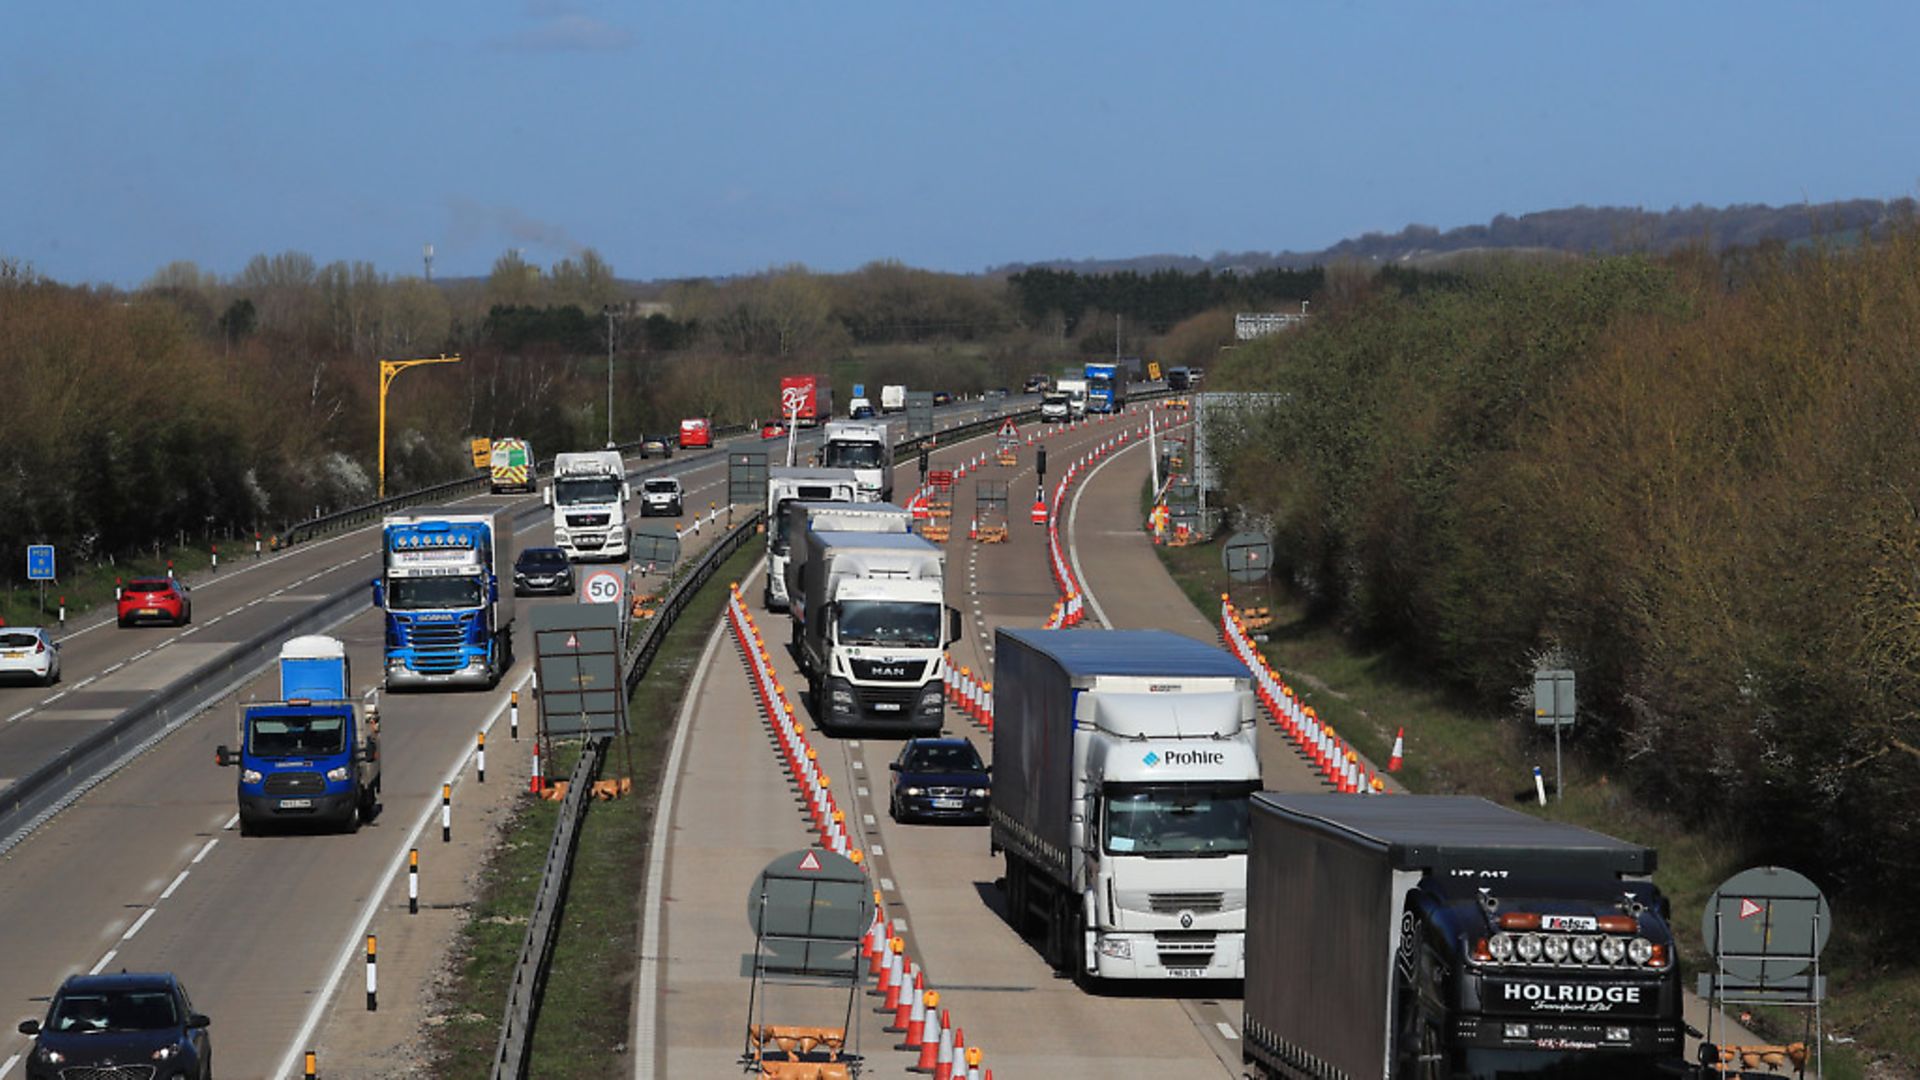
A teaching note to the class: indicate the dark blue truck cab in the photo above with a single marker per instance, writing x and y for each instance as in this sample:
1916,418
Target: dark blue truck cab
312,756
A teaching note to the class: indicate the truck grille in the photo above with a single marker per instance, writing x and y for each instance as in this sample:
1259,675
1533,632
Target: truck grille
1184,948
903,697
910,671
587,521
436,646
293,783
107,1072
1173,903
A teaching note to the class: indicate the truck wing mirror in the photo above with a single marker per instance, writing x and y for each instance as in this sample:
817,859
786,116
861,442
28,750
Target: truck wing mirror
372,752
546,496
379,593
222,756
953,624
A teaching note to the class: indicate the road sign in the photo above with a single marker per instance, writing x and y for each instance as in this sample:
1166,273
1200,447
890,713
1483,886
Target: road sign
1007,429
1553,698
40,562
601,587
577,654
941,479
809,909
1153,371
482,453
1766,926
1248,557
747,477
658,544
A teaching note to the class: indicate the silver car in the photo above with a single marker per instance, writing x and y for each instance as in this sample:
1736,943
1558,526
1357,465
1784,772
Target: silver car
29,652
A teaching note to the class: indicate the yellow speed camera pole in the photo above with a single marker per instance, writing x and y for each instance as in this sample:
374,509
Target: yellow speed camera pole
389,370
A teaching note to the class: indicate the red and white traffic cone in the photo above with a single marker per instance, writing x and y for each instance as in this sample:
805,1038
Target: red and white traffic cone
1399,745
929,1043
943,1058
535,785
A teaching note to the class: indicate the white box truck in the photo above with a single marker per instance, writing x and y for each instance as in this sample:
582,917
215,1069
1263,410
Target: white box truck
589,494
871,628
787,485
844,516
1075,390
1123,761
866,447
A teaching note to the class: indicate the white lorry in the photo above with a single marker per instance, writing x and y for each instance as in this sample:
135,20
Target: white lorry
834,517
893,398
1123,761
589,495
865,447
871,629
1076,392
787,485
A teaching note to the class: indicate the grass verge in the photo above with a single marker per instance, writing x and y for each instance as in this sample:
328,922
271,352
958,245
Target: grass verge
1455,749
91,586
582,1026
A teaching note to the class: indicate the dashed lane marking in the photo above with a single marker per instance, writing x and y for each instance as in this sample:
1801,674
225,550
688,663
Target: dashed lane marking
137,924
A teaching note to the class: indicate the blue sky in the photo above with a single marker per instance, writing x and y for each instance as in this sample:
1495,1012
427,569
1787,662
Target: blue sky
726,136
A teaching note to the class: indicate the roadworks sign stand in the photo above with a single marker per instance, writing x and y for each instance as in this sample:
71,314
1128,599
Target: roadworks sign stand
939,506
1009,450
809,910
990,511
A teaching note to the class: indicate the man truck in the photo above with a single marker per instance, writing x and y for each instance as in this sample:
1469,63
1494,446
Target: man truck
589,495
1106,387
1122,765
787,485
871,629
1441,936
313,755
512,466
864,447
447,588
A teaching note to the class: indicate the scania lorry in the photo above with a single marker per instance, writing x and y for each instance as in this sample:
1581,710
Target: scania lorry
1122,765
871,629
1442,936
512,466
865,447
313,755
447,588
1106,387
589,495
787,485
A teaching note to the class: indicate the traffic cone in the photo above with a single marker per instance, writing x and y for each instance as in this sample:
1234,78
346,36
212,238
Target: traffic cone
973,528
943,1057
535,785
929,1043
1399,745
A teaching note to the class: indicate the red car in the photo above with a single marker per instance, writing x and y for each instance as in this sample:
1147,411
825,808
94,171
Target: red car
773,429
696,434
155,600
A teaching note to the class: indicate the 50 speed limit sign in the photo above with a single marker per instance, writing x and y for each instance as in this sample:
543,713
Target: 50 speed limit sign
602,587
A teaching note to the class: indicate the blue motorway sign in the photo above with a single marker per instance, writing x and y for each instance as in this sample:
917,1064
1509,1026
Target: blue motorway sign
39,562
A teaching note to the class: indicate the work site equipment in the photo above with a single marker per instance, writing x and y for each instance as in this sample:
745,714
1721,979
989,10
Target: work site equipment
809,910
990,511
939,506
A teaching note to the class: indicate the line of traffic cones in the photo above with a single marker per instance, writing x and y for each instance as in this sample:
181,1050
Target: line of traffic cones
1335,759
970,695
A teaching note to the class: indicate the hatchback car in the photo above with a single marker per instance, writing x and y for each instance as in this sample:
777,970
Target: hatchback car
542,570
120,1025
940,780
773,429
943,397
155,600
660,446
29,652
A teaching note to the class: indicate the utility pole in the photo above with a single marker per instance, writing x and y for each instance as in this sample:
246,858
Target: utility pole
609,313
390,370
1116,337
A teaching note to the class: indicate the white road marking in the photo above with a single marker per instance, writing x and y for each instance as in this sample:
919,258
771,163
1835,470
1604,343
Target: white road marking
7,1066
868,818
104,961
88,681
20,714
860,766
862,792
1226,1030
137,924
176,884
231,822
886,884
204,848
54,698
114,668
878,850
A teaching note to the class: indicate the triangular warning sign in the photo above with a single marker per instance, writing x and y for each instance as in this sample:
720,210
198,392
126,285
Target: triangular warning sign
811,862
1748,909
573,641
1007,428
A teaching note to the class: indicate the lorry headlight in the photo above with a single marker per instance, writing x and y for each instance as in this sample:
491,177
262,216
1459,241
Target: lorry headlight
1556,948
842,695
1528,947
1619,1034
1116,948
338,775
1612,949
1514,1031
1501,946
1640,950
1585,948
249,776
560,536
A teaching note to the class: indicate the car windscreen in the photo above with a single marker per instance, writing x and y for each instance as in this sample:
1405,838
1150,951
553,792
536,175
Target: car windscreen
662,487
432,593
853,455
296,736
542,558
945,759
81,1012
595,490
899,623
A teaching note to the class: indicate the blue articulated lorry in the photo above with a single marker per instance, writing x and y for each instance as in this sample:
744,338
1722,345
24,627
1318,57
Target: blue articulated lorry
447,587
313,756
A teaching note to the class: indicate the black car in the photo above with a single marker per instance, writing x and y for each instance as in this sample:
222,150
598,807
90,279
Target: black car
120,1025
943,397
940,780
658,446
542,570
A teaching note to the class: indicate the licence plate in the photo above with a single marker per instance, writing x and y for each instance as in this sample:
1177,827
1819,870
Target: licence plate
149,611
1186,973
947,804
20,655
296,804
886,706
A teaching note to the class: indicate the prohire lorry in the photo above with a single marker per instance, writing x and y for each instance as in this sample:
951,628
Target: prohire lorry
1076,392
1444,936
589,496
512,466
787,485
447,587
893,398
313,755
1122,765
865,446
871,629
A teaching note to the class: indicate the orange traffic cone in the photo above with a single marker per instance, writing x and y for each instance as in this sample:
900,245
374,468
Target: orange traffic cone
534,784
973,528
1399,744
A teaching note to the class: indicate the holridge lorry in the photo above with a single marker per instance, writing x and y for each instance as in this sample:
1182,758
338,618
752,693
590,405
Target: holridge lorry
865,446
513,467
846,516
589,495
1122,765
893,398
447,587
787,485
805,400
313,755
1076,392
1106,387
871,628
1444,936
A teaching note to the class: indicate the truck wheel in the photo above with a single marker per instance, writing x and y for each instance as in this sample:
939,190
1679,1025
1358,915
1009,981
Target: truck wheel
247,827
350,824
1016,895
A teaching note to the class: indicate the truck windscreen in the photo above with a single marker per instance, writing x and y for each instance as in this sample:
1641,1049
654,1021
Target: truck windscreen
852,455
1176,819
599,489
432,593
896,623
296,736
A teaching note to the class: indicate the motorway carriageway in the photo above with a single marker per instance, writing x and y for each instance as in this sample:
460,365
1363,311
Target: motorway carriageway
147,871
732,811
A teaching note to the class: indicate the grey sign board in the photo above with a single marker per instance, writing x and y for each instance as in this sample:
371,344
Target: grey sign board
1248,556
747,477
1553,698
577,650
1765,927
810,909
657,545
919,412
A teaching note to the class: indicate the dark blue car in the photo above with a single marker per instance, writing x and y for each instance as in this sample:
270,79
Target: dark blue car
132,1025
940,780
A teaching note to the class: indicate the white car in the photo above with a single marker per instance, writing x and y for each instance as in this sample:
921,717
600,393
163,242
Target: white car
660,495
31,652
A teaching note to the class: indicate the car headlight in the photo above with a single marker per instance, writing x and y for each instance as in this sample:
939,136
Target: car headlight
1612,949
1501,946
167,1053
980,793
1116,948
249,776
338,775
48,1056
911,790
1528,947
1640,950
